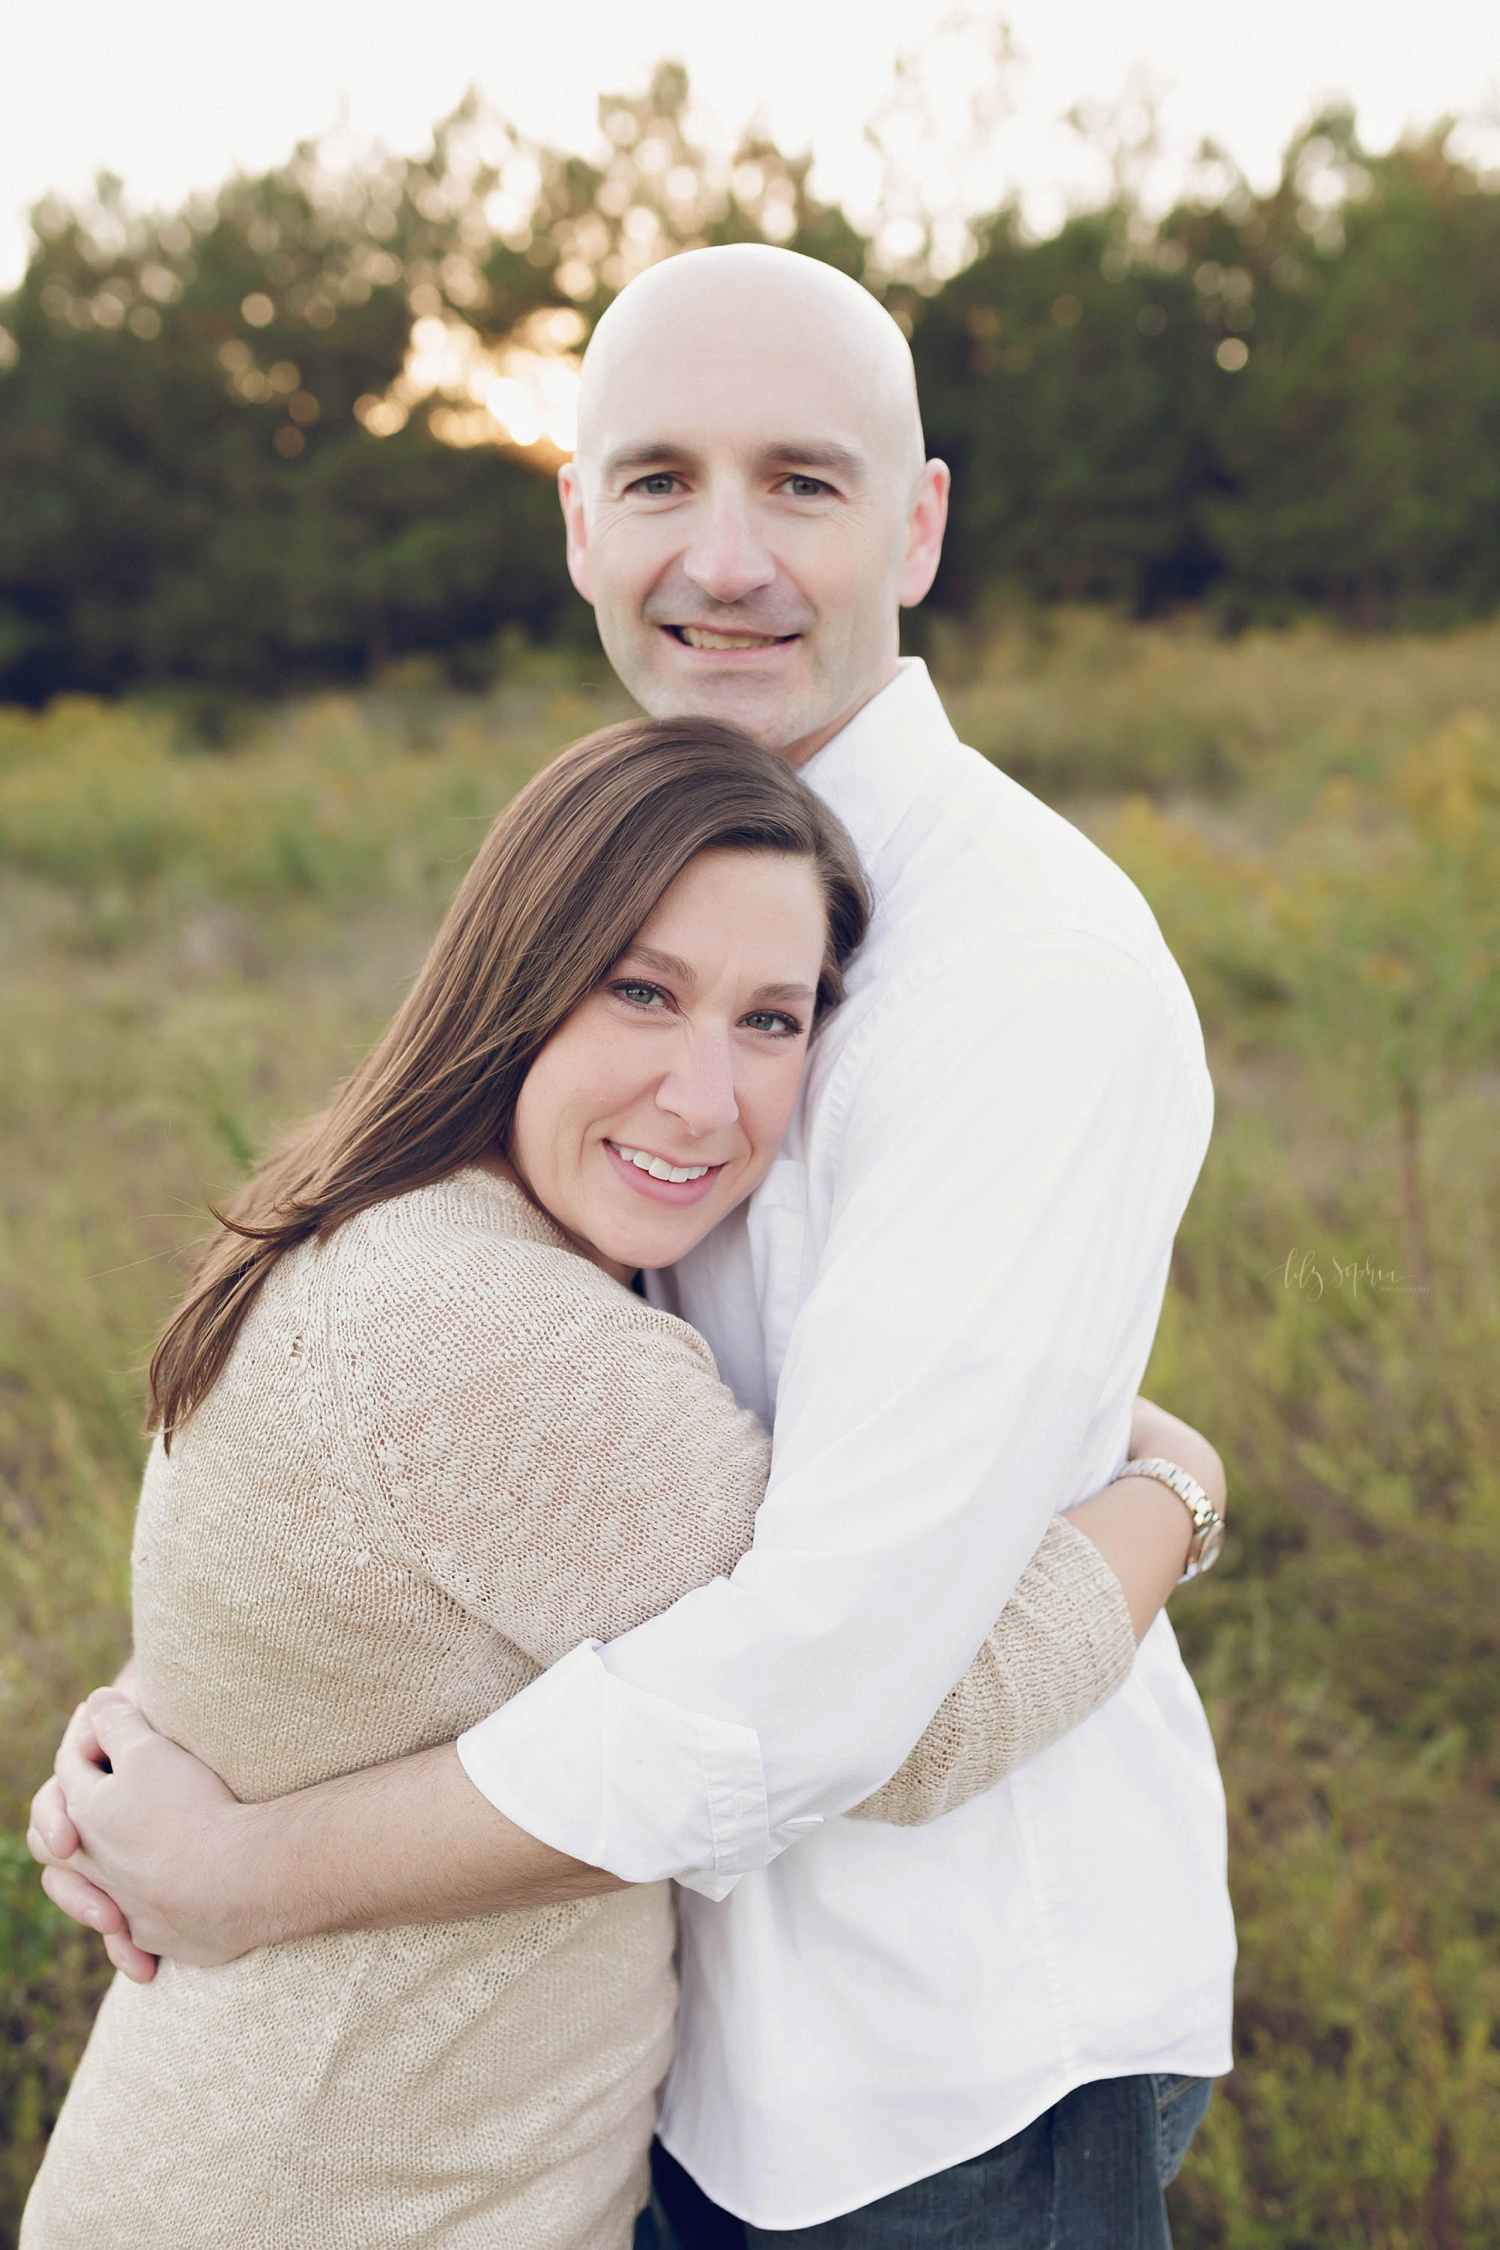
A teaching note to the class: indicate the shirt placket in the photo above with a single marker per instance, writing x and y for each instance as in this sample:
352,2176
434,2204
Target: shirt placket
778,1231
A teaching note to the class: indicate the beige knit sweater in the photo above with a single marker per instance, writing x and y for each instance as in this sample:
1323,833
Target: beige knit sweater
445,1450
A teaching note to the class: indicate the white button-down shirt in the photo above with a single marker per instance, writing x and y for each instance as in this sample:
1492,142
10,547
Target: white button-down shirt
943,1297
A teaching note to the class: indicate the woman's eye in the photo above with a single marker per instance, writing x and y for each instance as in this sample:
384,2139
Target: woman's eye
641,995
772,1019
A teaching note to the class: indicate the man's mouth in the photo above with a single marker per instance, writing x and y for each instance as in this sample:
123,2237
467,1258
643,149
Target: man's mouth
702,636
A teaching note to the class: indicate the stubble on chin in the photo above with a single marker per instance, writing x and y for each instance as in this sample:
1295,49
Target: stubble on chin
770,715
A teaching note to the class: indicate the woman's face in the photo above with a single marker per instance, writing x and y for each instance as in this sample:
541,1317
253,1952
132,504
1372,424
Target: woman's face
660,1102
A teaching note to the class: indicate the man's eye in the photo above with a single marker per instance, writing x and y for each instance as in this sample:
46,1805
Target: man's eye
658,485
805,488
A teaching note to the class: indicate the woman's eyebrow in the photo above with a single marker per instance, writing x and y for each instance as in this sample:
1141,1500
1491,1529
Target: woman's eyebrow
665,964
784,992
683,972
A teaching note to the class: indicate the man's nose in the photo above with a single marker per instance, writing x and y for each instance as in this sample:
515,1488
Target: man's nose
728,559
699,1089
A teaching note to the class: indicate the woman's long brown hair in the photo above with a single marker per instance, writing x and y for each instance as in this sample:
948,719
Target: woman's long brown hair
563,881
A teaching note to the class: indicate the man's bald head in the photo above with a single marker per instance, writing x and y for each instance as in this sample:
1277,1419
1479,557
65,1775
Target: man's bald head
763,308
749,504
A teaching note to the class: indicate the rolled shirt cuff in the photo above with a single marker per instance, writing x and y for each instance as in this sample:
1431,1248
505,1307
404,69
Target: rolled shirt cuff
625,1780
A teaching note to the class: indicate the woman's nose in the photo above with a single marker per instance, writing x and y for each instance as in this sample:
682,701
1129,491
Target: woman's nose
699,1089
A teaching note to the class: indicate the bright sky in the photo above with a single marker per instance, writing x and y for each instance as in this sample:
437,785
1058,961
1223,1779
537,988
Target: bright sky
173,94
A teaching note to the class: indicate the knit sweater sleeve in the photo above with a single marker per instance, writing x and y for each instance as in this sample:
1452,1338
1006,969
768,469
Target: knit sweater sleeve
558,1457
1062,1645
564,1462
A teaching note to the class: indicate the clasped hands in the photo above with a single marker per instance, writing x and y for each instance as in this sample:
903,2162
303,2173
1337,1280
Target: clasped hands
151,1812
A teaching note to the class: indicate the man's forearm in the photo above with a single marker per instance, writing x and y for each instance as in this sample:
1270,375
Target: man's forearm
133,1826
413,1841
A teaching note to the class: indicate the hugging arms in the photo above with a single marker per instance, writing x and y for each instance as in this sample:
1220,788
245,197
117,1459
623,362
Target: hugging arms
175,1863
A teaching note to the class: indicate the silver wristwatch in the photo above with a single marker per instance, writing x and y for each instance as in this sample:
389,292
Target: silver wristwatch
1208,1524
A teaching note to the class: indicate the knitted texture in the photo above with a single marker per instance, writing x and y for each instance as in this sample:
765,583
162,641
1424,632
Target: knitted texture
445,1450
1063,1645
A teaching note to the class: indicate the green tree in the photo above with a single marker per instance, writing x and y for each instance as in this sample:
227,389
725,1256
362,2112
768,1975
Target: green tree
1285,401
1065,382
195,485
189,493
1361,442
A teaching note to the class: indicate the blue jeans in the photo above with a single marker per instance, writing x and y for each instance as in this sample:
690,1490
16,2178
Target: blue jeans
1088,2174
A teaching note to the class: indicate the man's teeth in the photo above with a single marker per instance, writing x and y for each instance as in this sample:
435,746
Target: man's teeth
697,637
658,1166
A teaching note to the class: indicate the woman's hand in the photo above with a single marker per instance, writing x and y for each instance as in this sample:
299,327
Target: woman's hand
1154,1433
1138,1524
141,1842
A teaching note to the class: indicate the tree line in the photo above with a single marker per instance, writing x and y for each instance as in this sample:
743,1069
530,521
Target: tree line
246,446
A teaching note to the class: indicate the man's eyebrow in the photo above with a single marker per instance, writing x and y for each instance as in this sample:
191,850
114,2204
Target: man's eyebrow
652,455
786,453
819,453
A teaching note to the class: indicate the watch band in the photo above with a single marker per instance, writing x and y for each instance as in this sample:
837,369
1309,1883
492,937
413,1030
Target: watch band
1208,1524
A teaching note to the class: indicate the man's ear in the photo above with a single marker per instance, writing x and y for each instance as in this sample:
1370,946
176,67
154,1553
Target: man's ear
570,493
924,534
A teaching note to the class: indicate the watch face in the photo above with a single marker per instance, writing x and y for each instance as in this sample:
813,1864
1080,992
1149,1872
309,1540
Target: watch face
1213,1543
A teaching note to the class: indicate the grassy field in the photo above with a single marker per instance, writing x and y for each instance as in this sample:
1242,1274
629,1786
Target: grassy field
193,943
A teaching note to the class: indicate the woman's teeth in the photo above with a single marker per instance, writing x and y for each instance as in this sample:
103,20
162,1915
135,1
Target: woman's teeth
658,1166
697,637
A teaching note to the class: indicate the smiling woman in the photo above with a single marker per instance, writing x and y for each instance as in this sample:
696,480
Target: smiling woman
658,1104
681,837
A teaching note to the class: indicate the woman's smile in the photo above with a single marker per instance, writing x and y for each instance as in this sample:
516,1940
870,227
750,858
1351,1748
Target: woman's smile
661,1100
659,1177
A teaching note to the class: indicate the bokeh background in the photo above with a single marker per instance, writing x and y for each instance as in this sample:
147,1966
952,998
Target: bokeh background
283,619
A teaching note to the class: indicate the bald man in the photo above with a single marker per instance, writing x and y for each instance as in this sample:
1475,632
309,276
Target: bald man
750,505
995,2032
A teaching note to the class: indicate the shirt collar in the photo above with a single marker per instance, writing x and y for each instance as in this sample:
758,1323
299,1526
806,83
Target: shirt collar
876,767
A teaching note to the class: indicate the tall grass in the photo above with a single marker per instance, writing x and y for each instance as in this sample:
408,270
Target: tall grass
193,945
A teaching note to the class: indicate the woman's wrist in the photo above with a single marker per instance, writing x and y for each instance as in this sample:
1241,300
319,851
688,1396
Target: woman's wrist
1143,1532
1155,1434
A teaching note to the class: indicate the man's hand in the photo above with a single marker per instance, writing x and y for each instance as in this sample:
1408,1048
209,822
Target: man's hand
138,1840
53,1839
146,1845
